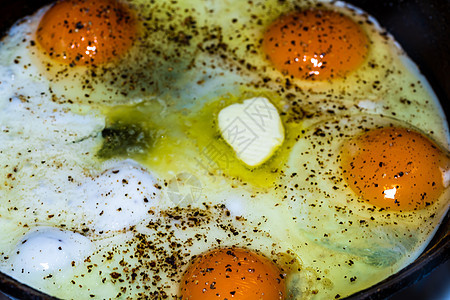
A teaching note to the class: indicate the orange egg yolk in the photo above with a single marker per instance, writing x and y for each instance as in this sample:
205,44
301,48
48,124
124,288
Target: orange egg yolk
395,168
232,273
315,44
78,32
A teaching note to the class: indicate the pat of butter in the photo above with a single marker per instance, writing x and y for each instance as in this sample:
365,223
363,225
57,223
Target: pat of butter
253,129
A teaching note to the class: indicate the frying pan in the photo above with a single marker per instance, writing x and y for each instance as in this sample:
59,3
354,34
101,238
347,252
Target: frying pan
422,29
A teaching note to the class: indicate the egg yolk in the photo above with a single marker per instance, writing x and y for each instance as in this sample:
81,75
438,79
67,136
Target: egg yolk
315,44
232,273
79,32
395,168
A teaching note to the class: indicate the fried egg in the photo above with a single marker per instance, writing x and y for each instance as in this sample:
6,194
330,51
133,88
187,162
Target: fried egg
214,150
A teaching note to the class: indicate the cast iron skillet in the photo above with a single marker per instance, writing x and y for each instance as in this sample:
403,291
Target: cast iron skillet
421,28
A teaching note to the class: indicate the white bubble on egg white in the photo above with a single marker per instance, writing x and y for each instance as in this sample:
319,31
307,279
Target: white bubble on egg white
6,81
235,205
119,197
370,106
46,250
445,177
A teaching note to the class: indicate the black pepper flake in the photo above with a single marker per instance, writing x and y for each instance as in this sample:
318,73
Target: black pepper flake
79,25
